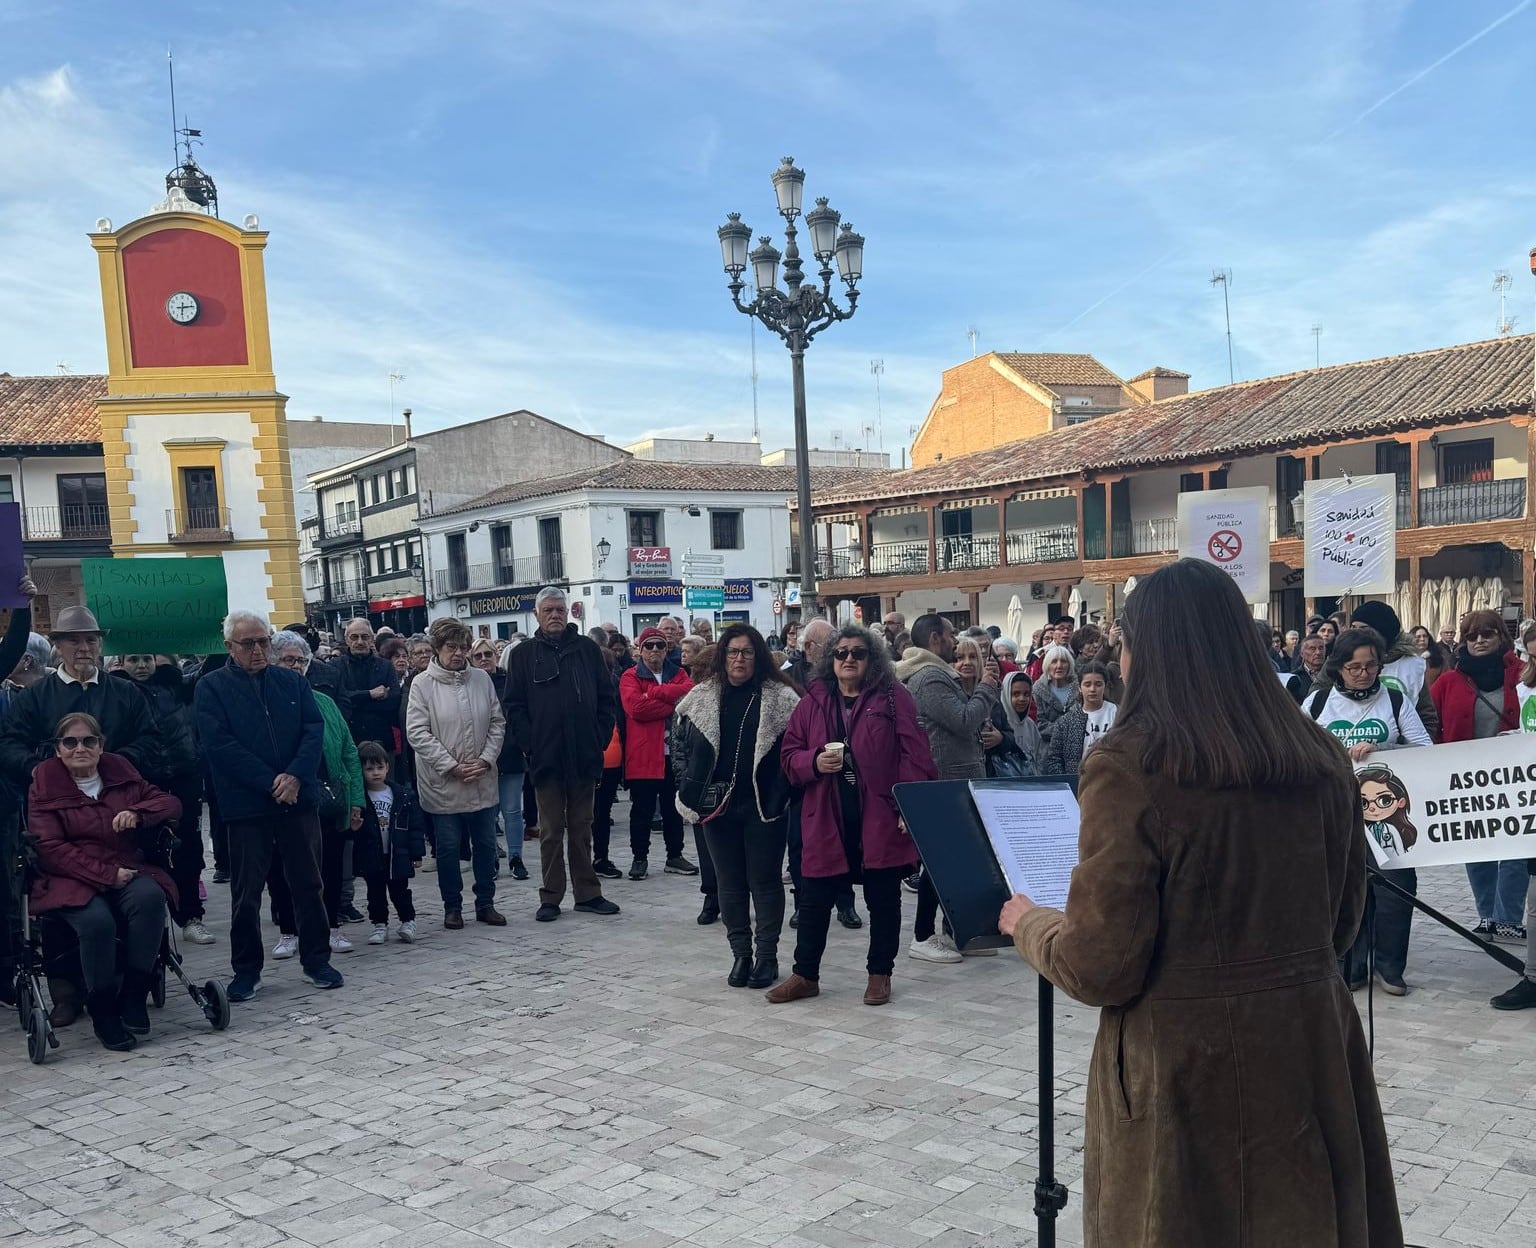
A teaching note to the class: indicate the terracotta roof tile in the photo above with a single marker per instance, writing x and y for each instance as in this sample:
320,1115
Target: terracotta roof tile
1059,369
650,474
50,411
1477,379
1159,371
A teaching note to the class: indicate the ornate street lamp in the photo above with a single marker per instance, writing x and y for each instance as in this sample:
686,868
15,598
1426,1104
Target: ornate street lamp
798,312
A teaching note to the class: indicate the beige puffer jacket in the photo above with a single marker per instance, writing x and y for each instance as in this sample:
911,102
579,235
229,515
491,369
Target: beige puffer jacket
452,718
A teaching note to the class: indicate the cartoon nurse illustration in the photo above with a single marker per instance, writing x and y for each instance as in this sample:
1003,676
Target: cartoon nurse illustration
1384,802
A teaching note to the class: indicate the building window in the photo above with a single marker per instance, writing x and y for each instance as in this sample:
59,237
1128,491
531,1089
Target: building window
458,564
645,528
408,475
1396,459
501,553
82,503
725,530
1191,482
200,498
1461,463
400,563
551,552
7,491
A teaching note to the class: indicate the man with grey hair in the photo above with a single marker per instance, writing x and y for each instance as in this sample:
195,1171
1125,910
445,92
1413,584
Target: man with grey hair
261,733
561,709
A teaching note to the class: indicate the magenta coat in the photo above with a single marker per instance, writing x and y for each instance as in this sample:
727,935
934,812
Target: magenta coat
77,850
889,747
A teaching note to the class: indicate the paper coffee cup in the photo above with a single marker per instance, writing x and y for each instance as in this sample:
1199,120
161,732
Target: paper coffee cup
835,748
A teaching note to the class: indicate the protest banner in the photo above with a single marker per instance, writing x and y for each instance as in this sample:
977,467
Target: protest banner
1349,536
1230,529
1437,805
12,565
158,606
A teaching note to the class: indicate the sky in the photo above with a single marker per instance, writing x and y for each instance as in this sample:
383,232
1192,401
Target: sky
513,203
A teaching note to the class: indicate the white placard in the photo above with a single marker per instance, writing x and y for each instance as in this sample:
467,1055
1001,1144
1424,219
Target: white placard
1229,528
1350,535
1033,830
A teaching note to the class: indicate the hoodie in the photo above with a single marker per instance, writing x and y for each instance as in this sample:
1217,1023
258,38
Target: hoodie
952,720
1025,731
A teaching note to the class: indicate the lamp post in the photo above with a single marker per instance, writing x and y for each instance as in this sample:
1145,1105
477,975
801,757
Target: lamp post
797,313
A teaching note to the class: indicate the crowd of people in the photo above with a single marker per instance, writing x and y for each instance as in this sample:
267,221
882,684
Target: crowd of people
396,755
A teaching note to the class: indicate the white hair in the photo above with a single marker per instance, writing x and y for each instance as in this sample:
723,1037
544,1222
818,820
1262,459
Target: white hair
236,618
1054,653
288,640
39,651
1007,645
548,594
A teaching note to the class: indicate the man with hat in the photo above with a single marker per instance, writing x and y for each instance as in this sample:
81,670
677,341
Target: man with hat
649,692
1402,668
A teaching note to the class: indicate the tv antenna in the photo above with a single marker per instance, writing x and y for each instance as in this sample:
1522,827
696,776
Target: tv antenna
1223,278
972,334
1317,346
1501,285
187,176
877,367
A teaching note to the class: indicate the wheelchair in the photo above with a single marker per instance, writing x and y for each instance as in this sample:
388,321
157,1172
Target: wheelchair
33,1002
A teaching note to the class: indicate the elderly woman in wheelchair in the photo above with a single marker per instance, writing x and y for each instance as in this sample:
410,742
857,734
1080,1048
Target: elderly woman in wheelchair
92,820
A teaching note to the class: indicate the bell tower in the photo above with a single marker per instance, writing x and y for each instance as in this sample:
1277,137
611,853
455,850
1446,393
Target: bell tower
194,431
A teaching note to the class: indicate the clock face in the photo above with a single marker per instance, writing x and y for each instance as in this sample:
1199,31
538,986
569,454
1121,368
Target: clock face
181,308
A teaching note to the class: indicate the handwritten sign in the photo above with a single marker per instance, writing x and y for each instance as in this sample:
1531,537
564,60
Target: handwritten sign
158,606
1229,528
1350,535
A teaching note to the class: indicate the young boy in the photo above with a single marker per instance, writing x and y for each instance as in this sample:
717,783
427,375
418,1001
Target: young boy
389,846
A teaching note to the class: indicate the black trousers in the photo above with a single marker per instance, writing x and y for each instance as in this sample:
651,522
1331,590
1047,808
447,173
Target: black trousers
10,897
382,892
844,897
708,885
1391,917
333,848
218,833
137,912
602,812
882,896
187,858
749,855
927,909
644,797
530,802
295,839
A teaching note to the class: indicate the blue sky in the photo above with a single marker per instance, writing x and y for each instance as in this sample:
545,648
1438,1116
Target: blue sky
513,202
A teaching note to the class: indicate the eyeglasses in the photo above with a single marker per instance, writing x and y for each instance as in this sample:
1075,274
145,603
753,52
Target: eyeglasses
857,653
740,654
1385,802
1361,669
252,643
654,645
454,647
1483,634
72,743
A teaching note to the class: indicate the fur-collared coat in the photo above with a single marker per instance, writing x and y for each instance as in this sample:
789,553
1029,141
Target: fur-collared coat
696,744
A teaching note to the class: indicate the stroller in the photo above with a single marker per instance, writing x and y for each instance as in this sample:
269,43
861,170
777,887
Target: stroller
33,1003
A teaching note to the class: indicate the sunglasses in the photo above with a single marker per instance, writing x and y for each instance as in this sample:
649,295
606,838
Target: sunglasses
72,743
654,645
857,653
1483,634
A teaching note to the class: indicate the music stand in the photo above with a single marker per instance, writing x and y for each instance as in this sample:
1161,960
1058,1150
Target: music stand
972,890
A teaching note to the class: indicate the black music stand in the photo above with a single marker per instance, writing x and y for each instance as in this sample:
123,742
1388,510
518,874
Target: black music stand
972,889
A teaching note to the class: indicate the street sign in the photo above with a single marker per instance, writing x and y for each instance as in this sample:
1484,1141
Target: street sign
778,606
704,597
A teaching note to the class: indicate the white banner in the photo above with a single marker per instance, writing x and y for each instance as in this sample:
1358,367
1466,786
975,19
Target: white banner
1349,535
1471,801
1229,528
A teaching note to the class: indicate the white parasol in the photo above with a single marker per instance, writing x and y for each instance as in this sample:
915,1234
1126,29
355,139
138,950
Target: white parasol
1463,600
1016,623
1495,593
1407,605
1447,592
1130,584
1075,604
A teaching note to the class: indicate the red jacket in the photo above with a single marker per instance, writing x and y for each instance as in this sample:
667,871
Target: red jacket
77,850
648,705
1455,697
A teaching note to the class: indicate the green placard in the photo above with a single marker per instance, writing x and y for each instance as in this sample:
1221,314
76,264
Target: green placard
158,606
704,597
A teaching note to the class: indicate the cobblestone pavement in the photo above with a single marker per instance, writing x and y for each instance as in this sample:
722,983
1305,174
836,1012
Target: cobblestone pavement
594,1082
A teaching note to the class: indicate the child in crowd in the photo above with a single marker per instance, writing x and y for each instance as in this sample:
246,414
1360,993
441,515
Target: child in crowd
394,833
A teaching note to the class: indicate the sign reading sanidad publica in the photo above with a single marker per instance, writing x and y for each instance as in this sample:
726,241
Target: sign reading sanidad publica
1230,529
158,606
1349,535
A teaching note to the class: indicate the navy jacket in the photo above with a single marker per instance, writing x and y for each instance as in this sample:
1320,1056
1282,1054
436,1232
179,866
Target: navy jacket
561,707
369,720
407,837
252,729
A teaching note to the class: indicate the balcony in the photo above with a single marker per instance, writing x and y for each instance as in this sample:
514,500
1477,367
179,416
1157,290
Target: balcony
1048,545
72,522
1472,502
340,525
345,592
190,525
474,577
961,554
1145,537
899,558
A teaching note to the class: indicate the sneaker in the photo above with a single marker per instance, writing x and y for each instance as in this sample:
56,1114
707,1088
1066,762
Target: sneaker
1521,997
407,931
220,876
934,949
286,947
547,913
429,864
339,943
607,870
1484,928
978,953
379,935
1509,933
678,865
323,977
520,872
351,914
1393,987
794,919
195,933
597,905
912,881
638,869
243,986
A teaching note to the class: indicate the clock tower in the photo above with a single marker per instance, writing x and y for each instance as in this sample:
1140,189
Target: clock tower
193,429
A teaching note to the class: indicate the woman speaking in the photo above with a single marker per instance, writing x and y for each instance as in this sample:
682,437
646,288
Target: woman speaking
1221,875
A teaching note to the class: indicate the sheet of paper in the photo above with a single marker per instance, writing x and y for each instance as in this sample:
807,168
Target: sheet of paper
1033,830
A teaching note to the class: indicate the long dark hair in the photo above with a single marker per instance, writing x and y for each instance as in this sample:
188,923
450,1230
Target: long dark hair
1201,694
1344,647
879,672
764,669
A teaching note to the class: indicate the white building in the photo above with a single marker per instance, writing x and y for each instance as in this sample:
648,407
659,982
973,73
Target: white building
616,538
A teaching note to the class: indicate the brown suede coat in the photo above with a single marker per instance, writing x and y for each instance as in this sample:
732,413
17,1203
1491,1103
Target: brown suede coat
1231,1101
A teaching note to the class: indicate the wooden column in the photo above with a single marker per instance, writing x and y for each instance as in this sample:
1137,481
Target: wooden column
1413,483
933,539
1109,604
1109,519
1082,552
1001,504
866,537
1413,580
975,606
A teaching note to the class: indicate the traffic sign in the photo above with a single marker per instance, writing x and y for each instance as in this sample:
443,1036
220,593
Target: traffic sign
778,606
704,597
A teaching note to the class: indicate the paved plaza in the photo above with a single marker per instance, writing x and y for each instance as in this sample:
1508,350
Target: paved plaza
593,1082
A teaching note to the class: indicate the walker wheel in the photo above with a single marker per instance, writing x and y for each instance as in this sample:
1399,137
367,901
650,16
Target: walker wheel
216,1004
23,1001
157,987
37,1038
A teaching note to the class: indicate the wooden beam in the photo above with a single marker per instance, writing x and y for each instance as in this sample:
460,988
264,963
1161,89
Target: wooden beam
1413,483
1001,504
933,539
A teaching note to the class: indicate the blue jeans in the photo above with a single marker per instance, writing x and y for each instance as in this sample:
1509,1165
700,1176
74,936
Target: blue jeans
1498,888
511,794
479,826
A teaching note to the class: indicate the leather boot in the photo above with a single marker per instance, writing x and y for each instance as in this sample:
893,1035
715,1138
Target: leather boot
741,971
107,1023
879,990
66,1001
795,988
132,1007
764,972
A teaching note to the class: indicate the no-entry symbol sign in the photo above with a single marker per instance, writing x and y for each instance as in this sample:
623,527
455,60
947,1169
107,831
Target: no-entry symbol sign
1225,545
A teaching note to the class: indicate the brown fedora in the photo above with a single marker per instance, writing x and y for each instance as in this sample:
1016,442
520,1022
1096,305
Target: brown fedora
75,620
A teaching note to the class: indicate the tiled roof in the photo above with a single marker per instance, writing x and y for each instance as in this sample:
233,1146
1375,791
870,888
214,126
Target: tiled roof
50,411
1059,369
1476,379
652,474
1159,371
